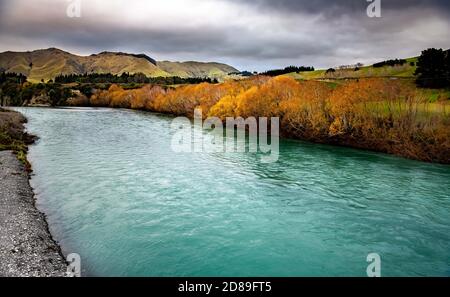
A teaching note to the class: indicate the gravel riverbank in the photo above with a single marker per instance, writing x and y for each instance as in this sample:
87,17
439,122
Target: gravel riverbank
26,246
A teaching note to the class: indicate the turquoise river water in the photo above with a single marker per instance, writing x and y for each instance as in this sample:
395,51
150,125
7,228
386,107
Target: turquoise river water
115,193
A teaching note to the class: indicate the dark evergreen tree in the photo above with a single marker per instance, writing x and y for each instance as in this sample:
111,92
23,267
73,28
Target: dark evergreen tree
126,78
286,70
433,69
396,62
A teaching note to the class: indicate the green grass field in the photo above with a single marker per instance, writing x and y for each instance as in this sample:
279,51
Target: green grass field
404,71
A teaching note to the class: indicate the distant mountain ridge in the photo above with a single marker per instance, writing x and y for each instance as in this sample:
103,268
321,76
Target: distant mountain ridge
48,63
126,54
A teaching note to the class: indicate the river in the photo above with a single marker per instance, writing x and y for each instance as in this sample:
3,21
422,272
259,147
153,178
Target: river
115,193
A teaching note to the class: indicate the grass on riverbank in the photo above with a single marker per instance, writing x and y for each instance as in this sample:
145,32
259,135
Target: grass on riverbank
13,137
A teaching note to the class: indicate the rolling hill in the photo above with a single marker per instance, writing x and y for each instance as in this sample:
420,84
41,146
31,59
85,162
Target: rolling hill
404,71
48,63
196,69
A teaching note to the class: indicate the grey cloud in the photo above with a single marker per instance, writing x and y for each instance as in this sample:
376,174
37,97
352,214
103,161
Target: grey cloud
342,7
341,34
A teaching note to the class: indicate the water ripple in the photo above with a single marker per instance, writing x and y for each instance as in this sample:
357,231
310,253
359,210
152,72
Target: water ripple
115,193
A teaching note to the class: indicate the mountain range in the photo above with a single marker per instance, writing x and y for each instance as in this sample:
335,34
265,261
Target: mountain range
46,64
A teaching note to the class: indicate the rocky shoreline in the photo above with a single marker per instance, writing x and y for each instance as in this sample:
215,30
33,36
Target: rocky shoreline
27,248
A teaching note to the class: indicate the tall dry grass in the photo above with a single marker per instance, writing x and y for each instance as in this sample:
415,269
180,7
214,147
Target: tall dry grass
391,116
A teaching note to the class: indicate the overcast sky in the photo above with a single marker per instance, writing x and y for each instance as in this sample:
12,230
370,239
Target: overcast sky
248,34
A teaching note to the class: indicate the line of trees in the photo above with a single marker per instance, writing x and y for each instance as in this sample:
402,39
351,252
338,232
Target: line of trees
243,73
15,90
124,78
12,77
396,62
289,69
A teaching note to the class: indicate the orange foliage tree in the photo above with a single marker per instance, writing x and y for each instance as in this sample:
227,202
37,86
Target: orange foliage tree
380,114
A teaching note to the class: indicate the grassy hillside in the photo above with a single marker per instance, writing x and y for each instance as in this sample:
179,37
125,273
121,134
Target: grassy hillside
49,63
196,69
404,71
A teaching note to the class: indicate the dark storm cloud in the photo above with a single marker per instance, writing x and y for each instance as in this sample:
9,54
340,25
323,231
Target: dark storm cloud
2,7
253,35
203,41
340,7
103,37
